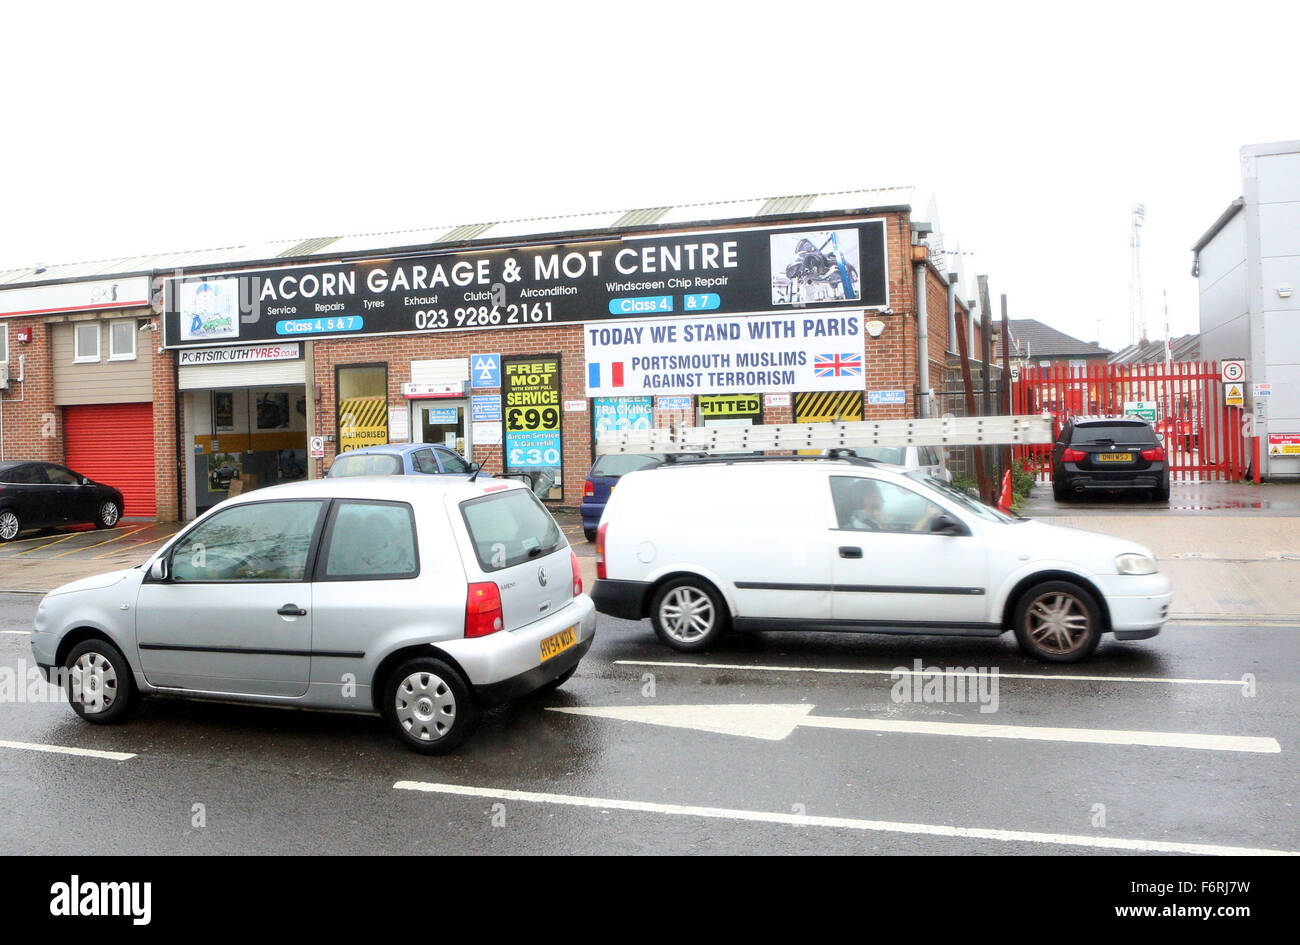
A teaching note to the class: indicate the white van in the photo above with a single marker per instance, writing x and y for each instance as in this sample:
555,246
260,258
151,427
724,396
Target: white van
843,544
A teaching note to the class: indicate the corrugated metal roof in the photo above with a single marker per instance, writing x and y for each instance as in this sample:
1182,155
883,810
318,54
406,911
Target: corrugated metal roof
613,220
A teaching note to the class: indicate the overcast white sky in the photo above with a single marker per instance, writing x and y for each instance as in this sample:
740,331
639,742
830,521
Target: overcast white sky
132,127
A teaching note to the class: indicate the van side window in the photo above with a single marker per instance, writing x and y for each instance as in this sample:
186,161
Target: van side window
370,541
871,505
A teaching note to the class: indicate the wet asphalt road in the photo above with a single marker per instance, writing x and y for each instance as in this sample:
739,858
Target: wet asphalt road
286,781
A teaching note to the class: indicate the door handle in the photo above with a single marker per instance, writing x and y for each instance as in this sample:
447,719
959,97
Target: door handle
848,551
291,610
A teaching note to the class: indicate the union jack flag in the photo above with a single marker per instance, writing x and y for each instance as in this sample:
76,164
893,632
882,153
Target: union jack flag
837,365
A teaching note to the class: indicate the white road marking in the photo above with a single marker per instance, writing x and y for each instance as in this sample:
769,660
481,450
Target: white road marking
24,632
1053,677
776,722
843,823
64,750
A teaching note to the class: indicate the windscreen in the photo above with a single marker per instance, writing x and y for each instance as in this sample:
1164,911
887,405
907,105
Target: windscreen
615,465
1099,434
881,454
366,464
509,528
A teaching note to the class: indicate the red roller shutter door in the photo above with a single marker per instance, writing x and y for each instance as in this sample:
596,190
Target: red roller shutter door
113,444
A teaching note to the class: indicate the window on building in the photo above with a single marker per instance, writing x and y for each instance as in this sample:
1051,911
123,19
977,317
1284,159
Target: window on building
362,405
85,342
4,343
121,341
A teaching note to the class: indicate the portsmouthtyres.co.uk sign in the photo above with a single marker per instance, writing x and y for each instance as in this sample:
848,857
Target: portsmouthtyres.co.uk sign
803,351
722,272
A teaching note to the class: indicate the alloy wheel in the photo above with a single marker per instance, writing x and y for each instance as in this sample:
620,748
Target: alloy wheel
8,526
1058,622
687,614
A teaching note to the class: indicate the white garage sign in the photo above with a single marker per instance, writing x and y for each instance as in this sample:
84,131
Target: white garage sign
806,351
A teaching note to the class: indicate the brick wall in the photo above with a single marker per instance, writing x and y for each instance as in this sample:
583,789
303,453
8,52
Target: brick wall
33,426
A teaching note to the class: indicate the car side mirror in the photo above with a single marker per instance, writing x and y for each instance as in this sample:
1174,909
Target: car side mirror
943,525
158,570
85,481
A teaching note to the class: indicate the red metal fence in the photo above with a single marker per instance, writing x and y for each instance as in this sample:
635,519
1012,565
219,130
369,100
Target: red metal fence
1202,436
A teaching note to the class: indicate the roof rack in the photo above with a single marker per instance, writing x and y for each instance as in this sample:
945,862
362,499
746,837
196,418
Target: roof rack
726,459
943,431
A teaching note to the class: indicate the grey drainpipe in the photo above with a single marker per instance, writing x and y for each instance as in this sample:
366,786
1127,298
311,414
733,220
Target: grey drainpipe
923,339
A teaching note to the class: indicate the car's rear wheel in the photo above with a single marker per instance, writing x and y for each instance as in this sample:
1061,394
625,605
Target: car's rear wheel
589,534
1059,492
99,683
689,615
429,706
1160,495
110,513
1057,622
10,525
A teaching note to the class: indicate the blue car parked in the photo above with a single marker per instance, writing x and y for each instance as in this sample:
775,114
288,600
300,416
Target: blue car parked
402,459
604,475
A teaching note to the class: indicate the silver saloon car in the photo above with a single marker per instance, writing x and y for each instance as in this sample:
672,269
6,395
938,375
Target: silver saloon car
422,599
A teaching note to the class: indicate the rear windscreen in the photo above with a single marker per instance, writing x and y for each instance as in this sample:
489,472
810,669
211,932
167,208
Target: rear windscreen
366,464
881,454
1102,433
510,528
614,466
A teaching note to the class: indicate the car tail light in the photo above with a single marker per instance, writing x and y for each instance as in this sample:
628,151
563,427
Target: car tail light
577,574
1155,454
600,551
588,489
1073,456
482,609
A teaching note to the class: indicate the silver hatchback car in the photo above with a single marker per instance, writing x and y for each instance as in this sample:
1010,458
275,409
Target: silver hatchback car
423,599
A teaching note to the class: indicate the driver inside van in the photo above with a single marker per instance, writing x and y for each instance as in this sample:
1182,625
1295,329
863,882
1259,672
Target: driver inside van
866,514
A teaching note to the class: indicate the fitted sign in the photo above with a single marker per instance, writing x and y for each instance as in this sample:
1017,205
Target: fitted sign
809,351
719,272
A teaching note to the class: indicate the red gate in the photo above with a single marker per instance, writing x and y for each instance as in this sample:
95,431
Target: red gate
1202,437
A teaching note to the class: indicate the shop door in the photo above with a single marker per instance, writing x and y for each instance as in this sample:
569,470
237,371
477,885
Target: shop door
442,422
113,444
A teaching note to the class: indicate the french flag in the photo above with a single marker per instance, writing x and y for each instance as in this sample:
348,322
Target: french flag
610,374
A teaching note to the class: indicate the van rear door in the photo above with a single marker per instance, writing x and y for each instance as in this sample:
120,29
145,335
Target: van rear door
518,546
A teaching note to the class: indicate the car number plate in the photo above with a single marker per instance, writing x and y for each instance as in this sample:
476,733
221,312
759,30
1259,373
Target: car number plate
1114,457
557,644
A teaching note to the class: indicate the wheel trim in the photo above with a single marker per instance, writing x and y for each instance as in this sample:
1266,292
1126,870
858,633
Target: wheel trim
1058,623
109,514
94,683
8,525
425,706
686,614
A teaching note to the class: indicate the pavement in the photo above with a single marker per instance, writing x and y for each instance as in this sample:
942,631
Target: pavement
1232,550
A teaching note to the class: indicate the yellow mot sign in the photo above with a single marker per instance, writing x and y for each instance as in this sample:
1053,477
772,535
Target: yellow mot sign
363,421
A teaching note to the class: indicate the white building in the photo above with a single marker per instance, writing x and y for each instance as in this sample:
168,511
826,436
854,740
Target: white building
1248,270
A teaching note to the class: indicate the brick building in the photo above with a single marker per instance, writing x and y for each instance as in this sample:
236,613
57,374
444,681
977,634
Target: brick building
513,342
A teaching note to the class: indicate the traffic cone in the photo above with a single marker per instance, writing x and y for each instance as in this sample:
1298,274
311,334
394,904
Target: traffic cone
1004,500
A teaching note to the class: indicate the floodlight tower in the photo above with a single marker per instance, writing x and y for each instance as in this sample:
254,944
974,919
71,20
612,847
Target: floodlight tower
1137,316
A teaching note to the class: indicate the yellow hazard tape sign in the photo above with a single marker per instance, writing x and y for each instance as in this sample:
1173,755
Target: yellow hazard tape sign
363,421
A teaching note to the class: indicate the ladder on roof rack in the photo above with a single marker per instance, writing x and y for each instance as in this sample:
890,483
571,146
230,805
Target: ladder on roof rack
943,431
